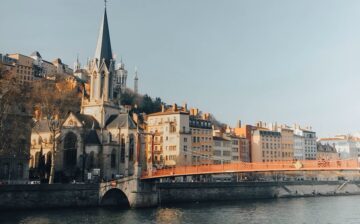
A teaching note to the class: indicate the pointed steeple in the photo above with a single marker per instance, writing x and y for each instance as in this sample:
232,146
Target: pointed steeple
136,80
103,47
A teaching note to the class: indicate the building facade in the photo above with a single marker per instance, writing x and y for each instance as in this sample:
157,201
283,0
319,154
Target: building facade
345,145
201,137
326,152
266,146
222,152
169,137
309,141
299,147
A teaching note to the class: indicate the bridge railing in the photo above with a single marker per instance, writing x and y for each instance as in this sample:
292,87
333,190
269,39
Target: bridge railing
307,165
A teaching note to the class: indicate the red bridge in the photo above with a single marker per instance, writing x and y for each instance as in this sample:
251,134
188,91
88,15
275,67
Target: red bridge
242,167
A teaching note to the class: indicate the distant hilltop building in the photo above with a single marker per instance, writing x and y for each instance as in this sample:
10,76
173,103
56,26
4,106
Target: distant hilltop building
29,68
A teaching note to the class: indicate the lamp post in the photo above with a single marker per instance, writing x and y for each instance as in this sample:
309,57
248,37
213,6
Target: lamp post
54,127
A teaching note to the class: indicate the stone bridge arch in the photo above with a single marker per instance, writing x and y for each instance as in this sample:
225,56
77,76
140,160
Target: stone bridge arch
115,197
129,189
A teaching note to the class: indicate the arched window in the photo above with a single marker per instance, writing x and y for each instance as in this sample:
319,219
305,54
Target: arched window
37,158
102,82
131,148
48,159
70,149
122,150
113,159
31,164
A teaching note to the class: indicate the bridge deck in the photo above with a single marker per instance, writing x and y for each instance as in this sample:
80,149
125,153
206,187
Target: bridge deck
241,167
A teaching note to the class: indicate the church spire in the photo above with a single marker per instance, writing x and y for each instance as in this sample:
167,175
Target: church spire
103,47
136,80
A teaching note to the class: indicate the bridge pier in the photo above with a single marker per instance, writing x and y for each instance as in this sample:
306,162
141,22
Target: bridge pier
138,193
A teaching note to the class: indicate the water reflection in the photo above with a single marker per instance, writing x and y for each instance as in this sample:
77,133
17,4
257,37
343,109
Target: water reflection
297,210
169,215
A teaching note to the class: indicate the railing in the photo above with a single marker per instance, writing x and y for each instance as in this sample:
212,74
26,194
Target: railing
306,165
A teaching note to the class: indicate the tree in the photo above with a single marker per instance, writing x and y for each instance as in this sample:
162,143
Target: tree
53,99
15,118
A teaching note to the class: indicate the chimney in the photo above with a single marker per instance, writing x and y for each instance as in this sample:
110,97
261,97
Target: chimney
162,108
196,111
185,107
239,124
205,116
174,108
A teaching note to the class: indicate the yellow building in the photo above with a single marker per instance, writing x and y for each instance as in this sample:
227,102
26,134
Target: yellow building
287,143
266,145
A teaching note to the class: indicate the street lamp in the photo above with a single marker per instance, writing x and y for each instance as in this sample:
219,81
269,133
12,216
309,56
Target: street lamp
54,127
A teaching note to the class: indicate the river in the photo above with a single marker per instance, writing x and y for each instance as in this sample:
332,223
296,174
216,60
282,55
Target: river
340,209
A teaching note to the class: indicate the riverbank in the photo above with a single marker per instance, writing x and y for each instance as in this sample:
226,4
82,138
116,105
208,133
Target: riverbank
170,193
40,196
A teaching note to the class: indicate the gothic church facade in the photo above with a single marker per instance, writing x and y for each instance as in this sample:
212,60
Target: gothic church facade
102,141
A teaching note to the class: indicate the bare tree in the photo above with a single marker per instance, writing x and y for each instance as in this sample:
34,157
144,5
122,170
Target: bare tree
53,99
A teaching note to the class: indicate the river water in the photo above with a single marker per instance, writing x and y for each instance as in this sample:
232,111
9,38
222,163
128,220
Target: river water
340,209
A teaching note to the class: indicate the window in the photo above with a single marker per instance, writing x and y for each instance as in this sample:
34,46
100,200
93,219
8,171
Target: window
131,148
185,147
113,159
185,139
70,149
6,170
122,150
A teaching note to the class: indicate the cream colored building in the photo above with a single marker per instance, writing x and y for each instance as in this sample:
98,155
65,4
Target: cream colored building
30,68
24,68
171,144
222,151
287,143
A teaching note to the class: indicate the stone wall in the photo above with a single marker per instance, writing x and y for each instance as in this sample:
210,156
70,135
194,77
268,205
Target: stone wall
199,192
48,196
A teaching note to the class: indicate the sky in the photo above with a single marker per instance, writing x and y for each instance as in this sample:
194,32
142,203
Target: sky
283,61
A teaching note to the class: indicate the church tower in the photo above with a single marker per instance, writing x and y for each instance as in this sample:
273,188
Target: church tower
136,80
102,70
120,79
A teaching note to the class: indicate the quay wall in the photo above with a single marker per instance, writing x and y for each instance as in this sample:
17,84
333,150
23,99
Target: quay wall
48,196
169,193
86,195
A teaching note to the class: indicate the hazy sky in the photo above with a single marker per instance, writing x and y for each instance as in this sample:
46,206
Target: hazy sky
287,61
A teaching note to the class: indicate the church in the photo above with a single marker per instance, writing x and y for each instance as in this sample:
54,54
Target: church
102,141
